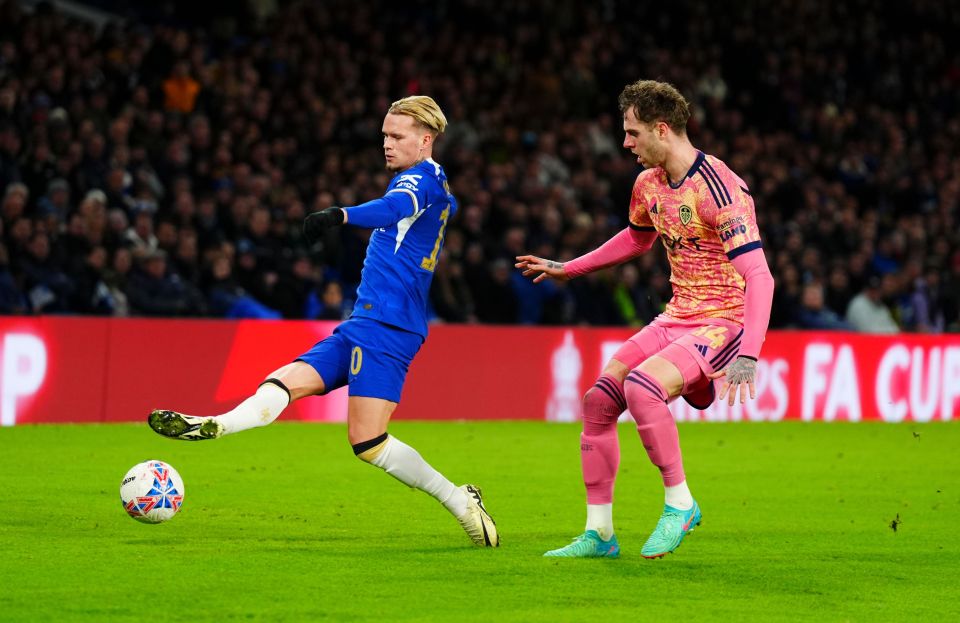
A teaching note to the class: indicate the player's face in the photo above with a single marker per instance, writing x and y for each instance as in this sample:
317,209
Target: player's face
405,143
643,140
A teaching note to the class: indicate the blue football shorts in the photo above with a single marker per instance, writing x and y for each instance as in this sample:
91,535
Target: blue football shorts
371,358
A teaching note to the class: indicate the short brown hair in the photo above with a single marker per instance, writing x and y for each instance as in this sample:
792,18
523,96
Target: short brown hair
654,101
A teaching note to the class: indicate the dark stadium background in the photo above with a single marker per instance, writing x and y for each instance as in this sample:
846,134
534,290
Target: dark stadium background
126,194
157,160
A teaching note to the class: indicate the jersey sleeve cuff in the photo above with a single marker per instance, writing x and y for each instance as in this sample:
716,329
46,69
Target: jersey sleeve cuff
750,246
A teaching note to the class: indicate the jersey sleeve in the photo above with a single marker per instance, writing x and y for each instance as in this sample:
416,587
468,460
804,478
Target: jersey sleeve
639,205
381,212
736,221
406,196
413,185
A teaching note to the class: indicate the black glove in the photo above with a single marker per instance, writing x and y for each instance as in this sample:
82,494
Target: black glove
318,222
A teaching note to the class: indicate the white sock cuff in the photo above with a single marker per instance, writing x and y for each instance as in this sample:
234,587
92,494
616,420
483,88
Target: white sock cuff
600,518
275,390
678,496
383,456
258,410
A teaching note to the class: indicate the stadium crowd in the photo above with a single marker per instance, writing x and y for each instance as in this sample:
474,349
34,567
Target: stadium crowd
163,167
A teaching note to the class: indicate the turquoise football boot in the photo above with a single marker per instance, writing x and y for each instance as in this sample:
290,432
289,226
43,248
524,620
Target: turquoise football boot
588,545
674,524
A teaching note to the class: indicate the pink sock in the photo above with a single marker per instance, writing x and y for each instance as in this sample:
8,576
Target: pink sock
599,446
648,405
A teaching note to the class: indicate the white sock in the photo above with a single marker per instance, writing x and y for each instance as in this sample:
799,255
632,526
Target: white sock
406,465
678,496
600,518
257,410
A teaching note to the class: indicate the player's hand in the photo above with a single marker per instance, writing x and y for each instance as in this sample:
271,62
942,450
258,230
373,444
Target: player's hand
318,222
740,375
532,265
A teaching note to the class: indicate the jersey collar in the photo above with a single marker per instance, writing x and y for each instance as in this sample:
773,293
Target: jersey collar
693,169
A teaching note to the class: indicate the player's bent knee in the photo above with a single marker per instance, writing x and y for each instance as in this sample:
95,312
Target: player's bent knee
369,450
298,379
605,399
275,381
596,398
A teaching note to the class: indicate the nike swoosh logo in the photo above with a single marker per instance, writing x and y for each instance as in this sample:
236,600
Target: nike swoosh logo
486,537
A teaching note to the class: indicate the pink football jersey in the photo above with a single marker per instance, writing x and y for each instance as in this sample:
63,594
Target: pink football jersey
704,222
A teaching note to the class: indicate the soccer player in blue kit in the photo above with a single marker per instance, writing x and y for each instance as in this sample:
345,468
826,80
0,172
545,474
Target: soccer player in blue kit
371,351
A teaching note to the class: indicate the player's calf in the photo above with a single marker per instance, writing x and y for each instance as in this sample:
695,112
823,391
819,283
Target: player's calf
406,465
599,446
647,399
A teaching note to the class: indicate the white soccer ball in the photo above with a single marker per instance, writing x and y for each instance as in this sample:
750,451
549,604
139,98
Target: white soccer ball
151,492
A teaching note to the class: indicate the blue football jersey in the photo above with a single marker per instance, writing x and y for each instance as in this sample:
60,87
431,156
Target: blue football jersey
401,258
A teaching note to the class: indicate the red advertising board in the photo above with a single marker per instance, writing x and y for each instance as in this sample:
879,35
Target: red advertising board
95,370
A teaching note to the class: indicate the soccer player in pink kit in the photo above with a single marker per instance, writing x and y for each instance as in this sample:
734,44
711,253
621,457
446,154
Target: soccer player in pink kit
712,328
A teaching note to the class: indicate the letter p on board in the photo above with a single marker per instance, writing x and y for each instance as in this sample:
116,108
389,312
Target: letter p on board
24,366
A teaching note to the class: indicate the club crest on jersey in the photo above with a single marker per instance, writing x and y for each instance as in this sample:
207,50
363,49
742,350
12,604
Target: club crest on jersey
686,214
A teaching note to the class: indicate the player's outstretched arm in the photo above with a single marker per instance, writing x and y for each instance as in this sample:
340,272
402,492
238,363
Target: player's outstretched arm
383,212
627,244
532,265
740,376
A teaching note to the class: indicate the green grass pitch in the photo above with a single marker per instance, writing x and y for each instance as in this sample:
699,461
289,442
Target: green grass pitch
284,524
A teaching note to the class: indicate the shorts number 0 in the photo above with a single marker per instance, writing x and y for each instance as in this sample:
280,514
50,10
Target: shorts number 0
356,360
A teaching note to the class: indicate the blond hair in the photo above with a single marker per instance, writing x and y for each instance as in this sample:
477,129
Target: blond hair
654,101
424,111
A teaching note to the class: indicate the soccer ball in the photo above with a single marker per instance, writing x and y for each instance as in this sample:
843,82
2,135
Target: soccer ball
151,492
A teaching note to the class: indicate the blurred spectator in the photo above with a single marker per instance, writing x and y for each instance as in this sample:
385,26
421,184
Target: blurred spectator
496,299
91,295
639,303
593,300
180,90
115,277
293,285
814,314
228,299
153,291
48,288
198,141
838,292
868,313
926,302
140,236
57,199
331,304
12,300
450,292
14,202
